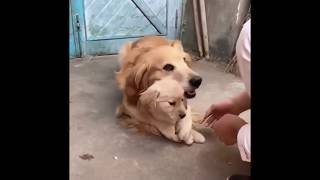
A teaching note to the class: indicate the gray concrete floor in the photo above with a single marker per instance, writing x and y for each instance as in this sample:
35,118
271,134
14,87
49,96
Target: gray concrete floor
121,154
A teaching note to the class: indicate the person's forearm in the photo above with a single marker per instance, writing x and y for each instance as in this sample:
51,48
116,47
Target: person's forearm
242,102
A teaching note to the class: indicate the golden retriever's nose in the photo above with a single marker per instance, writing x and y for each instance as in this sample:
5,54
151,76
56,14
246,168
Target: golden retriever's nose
195,81
182,115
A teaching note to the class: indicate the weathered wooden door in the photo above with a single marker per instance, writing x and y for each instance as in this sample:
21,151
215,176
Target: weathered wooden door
104,25
72,45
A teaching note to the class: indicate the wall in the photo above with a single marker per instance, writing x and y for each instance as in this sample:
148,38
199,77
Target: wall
224,19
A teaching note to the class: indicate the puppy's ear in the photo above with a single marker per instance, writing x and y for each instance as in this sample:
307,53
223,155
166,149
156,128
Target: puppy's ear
149,97
177,44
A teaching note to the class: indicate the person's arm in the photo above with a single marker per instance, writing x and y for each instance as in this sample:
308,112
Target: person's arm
241,102
244,142
234,105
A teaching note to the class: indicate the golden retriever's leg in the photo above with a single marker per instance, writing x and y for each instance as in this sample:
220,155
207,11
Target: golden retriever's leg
150,129
121,111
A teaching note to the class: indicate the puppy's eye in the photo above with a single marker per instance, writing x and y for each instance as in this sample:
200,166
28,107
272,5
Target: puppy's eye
168,67
184,58
172,103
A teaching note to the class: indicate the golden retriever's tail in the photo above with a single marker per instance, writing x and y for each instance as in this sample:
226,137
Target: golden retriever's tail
120,80
123,52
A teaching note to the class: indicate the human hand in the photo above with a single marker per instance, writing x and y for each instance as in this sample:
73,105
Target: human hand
216,111
227,128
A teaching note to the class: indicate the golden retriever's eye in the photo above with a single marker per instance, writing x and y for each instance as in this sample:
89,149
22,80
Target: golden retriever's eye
172,103
168,67
184,58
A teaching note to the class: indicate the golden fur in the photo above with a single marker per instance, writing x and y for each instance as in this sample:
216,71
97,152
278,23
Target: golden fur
146,61
164,107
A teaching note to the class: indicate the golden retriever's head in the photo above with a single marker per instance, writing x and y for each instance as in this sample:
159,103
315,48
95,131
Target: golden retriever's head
167,61
164,100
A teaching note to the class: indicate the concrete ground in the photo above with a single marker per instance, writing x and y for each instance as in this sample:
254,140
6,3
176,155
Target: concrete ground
101,149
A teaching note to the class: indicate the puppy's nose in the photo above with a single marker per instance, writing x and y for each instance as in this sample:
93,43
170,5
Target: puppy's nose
182,115
195,81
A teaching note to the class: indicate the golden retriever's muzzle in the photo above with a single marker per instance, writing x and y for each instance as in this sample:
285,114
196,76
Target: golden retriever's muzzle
195,83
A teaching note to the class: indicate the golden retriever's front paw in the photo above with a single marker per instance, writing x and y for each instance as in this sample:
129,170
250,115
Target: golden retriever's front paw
121,113
197,137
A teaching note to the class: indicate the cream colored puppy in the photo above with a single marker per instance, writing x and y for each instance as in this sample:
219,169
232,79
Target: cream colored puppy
164,107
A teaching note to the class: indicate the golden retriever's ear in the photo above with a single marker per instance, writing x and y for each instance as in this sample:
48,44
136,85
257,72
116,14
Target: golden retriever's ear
140,76
187,58
177,44
149,97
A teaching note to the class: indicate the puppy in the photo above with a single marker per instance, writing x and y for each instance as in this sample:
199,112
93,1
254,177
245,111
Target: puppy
164,107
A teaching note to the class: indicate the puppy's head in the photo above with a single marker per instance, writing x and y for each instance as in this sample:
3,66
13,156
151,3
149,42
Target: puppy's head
172,61
164,100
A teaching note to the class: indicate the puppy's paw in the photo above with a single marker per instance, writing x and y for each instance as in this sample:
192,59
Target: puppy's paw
183,129
189,140
197,137
151,129
183,134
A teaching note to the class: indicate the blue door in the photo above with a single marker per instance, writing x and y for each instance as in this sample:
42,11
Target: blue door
74,43
72,46
102,26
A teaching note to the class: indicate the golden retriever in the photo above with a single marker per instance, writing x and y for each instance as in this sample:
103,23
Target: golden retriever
167,55
148,60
